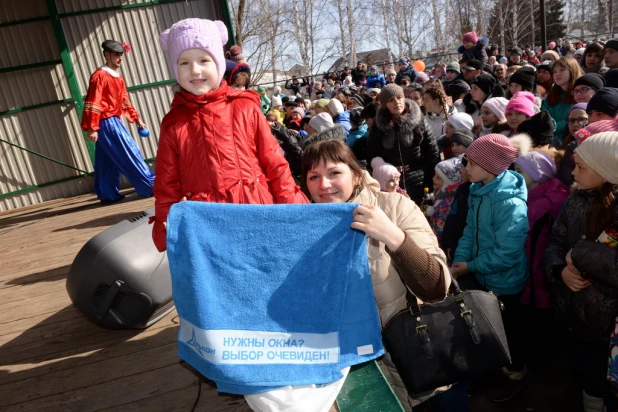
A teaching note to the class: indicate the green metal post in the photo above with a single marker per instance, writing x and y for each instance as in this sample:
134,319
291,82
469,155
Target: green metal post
227,17
67,65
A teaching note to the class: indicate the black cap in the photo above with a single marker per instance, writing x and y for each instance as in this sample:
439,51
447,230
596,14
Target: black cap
457,87
462,136
524,77
485,82
473,65
593,80
405,78
299,100
362,99
545,66
604,101
611,44
112,46
290,104
516,50
539,127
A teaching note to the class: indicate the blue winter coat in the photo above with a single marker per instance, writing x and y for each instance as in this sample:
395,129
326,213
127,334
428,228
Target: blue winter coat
495,235
475,53
377,81
353,136
410,71
344,120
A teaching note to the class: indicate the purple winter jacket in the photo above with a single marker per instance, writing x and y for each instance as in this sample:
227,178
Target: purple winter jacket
544,203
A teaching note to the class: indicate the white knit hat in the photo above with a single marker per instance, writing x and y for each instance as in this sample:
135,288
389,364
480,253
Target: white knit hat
461,121
383,172
321,122
276,101
600,152
335,107
497,105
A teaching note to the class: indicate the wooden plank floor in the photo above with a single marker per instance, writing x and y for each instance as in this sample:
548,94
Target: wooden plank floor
54,359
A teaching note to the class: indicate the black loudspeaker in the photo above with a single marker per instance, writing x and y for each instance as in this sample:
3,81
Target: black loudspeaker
119,279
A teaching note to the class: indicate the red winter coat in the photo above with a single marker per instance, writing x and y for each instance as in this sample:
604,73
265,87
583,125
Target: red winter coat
218,147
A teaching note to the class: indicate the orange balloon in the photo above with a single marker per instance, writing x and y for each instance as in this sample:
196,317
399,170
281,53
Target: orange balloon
419,65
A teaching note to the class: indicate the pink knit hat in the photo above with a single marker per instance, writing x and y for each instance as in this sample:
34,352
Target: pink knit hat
471,36
383,172
207,35
493,152
522,102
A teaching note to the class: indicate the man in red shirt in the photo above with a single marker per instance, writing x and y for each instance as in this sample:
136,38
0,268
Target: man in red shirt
116,151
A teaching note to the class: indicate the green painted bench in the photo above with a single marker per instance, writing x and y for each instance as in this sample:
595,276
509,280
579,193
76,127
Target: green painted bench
367,390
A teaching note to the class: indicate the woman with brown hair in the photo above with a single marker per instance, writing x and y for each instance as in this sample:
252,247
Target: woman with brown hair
401,248
560,97
592,59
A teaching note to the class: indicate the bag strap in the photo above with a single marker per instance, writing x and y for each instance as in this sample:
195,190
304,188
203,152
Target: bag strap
421,328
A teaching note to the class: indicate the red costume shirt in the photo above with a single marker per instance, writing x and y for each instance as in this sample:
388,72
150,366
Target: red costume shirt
107,97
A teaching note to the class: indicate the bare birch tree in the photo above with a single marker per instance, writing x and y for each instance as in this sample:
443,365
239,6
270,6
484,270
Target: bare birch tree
437,26
385,18
351,24
341,19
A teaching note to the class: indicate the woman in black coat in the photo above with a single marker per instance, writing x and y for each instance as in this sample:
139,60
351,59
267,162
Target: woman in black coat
401,136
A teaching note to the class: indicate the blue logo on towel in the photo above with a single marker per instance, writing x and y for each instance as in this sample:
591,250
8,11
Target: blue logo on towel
198,347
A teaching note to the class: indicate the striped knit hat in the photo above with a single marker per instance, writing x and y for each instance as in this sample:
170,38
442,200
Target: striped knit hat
493,152
602,126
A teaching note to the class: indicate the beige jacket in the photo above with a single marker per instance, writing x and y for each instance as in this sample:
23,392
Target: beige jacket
388,288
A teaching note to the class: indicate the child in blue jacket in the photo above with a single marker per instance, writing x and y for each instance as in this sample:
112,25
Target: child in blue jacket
375,79
491,250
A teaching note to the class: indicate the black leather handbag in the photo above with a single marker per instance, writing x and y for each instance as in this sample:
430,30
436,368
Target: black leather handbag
442,343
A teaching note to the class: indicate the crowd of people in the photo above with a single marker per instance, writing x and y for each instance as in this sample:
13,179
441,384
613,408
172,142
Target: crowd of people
517,200
497,171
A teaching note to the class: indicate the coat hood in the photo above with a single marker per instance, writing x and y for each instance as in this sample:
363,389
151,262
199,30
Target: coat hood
551,189
506,185
184,98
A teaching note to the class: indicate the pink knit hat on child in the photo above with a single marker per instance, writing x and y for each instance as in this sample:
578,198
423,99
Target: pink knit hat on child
206,35
383,172
493,152
522,102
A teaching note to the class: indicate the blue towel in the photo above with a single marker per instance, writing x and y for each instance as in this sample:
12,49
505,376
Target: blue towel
271,295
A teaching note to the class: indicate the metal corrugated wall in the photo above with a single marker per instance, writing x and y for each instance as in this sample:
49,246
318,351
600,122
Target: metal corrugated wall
53,129
144,64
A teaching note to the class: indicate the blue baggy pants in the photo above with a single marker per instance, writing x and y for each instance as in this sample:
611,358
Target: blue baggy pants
116,152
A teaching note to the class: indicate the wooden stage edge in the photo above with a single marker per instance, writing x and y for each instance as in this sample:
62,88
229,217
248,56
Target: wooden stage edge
51,357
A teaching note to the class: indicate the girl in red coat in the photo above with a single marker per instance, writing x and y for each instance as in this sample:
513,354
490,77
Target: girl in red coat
215,144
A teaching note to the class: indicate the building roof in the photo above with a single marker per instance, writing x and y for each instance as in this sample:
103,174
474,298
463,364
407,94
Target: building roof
297,70
377,57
